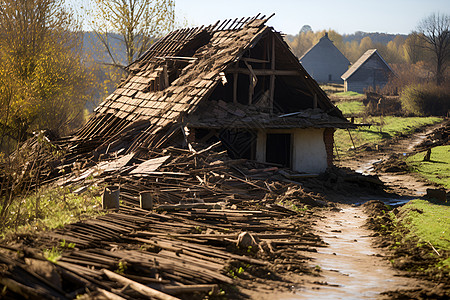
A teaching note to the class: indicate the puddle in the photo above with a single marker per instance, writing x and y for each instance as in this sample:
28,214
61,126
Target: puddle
367,167
350,267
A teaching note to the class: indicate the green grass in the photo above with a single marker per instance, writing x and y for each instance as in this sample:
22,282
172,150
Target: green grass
382,129
332,88
49,208
429,223
351,107
349,94
436,170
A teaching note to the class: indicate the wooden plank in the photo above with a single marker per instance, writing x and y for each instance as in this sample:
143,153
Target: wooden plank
272,76
140,288
180,289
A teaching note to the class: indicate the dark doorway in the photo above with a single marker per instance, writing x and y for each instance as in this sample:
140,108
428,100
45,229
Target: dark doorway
278,148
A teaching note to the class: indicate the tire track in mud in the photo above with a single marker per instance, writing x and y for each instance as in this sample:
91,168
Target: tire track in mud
350,267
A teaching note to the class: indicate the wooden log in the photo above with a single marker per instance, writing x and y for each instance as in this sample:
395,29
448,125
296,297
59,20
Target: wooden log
110,198
180,289
21,289
109,295
146,200
140,288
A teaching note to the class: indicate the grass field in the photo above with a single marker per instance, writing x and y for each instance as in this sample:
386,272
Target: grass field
436,170
351,107
382,128
429,224
349,94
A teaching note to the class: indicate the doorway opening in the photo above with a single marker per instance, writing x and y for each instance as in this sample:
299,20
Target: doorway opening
278,149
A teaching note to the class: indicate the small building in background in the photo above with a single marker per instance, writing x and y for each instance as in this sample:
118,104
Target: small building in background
370,70
324,62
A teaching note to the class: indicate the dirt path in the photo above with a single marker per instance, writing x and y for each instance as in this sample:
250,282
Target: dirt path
350,267
400,183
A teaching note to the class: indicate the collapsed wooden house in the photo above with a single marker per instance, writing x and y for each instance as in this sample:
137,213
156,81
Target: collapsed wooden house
238,83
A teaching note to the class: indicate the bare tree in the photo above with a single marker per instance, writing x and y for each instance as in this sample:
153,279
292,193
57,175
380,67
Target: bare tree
133,24
435,32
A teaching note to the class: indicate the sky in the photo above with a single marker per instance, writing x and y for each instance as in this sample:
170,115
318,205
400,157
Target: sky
343,16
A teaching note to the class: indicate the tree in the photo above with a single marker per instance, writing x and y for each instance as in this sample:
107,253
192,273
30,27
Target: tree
435,32
413,48
132,25
42,76
305,28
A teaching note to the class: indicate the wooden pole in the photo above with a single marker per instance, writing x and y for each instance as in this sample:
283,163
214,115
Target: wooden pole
110,198
142,289
235,83
272,77
146,200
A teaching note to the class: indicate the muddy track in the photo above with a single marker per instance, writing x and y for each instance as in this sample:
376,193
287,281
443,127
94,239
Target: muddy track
350,268
406,184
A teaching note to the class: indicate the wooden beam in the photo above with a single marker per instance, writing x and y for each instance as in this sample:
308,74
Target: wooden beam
235,83
272,76
255,60
140,288
262,72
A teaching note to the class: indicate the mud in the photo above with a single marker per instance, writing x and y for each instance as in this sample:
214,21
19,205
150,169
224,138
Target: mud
350,268
386,162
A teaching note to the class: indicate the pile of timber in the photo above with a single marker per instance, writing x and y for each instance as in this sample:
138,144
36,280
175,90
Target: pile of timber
135,254
212,217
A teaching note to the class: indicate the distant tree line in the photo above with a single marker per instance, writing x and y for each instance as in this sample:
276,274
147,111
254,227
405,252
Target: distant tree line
425,51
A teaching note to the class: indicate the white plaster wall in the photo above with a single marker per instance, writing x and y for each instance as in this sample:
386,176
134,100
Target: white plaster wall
309,153
308,150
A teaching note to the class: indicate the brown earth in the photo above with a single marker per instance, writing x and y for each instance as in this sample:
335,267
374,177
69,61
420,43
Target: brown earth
335,256
355,264
385,161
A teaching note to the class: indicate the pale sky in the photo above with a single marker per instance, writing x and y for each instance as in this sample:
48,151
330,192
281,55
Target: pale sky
344,16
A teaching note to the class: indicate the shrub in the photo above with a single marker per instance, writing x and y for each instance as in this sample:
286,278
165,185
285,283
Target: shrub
426,100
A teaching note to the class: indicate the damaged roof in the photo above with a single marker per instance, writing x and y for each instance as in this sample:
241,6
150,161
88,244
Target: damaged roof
185,67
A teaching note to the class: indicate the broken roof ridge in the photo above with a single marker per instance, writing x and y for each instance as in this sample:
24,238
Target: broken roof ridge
190,33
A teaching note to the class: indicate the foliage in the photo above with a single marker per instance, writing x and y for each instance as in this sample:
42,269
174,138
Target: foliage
135,22
426,100
49,208
436,170
53,254
435,34
42,77
382,128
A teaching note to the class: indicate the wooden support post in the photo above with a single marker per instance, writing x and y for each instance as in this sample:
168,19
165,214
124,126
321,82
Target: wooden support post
235,83
110,198
354,147
315,101
272,77
140,288
146,200
250,89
